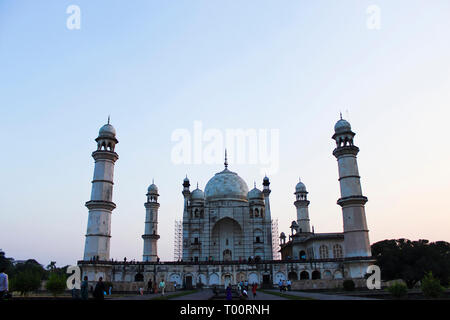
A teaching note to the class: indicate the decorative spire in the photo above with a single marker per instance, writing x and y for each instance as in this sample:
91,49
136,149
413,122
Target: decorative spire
340,114
226,160
153,180
197,184
108,118
254,184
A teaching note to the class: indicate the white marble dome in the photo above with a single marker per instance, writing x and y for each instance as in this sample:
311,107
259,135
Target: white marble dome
107,131
342,126
255,193
226,185
300,187
153,188
197,194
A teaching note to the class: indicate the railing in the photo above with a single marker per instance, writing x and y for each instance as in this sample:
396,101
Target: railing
253,262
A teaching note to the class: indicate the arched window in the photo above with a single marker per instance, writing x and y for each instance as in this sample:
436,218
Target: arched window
302,255
323,250
337,251
256,213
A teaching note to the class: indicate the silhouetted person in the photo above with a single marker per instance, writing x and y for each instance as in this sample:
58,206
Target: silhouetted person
99,291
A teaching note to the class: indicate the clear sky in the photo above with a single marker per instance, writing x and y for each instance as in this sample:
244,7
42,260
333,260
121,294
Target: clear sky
158,66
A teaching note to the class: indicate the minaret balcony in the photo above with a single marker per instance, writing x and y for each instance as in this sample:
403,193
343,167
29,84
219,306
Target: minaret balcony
358,200
105,155
340,151
151,236
100,204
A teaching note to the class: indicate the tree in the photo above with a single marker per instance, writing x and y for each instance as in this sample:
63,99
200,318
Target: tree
56,283
398,289
25,282
411,260
431,287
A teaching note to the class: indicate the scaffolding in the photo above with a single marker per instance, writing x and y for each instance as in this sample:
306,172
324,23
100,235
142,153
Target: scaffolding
178,241
275,243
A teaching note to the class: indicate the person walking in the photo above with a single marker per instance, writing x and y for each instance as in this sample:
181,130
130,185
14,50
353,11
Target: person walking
254,286
289,283
229,293
85,289
162,286
99,291
280,285
150,286
4,285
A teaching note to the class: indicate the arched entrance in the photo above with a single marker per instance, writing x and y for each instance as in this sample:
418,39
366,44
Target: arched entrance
292,275
315,275
227,255
227,240
304,275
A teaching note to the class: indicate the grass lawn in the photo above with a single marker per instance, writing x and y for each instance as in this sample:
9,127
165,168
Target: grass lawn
175,295
287,296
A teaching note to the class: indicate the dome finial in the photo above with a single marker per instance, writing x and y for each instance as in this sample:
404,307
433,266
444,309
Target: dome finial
340,114
254,184
197,184
109,118
226,160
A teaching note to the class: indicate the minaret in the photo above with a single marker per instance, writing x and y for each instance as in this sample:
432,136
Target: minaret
302,204
101,206
186,218
151,224
268,219
356,234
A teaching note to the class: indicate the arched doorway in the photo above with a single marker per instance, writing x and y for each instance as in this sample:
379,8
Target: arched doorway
227,280
227,255
315,275
227,237
304,275
292,275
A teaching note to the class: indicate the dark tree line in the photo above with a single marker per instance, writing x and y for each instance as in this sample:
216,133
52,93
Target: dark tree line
26,276
411,260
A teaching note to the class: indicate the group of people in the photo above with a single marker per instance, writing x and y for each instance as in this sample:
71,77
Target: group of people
284,285
243,288
153,287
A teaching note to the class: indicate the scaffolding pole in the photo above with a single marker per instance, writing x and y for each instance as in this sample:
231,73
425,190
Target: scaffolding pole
275,243
178,241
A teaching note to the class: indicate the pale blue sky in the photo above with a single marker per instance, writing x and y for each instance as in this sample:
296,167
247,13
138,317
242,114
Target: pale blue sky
157,66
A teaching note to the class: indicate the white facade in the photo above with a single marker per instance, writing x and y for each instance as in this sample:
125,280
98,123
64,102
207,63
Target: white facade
226,222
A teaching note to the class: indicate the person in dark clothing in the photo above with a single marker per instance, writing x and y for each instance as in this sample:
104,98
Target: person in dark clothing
150,286
99,289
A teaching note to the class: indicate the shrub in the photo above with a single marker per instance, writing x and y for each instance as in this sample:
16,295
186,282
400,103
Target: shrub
56,283
398,290
431,287
25,282
349,285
